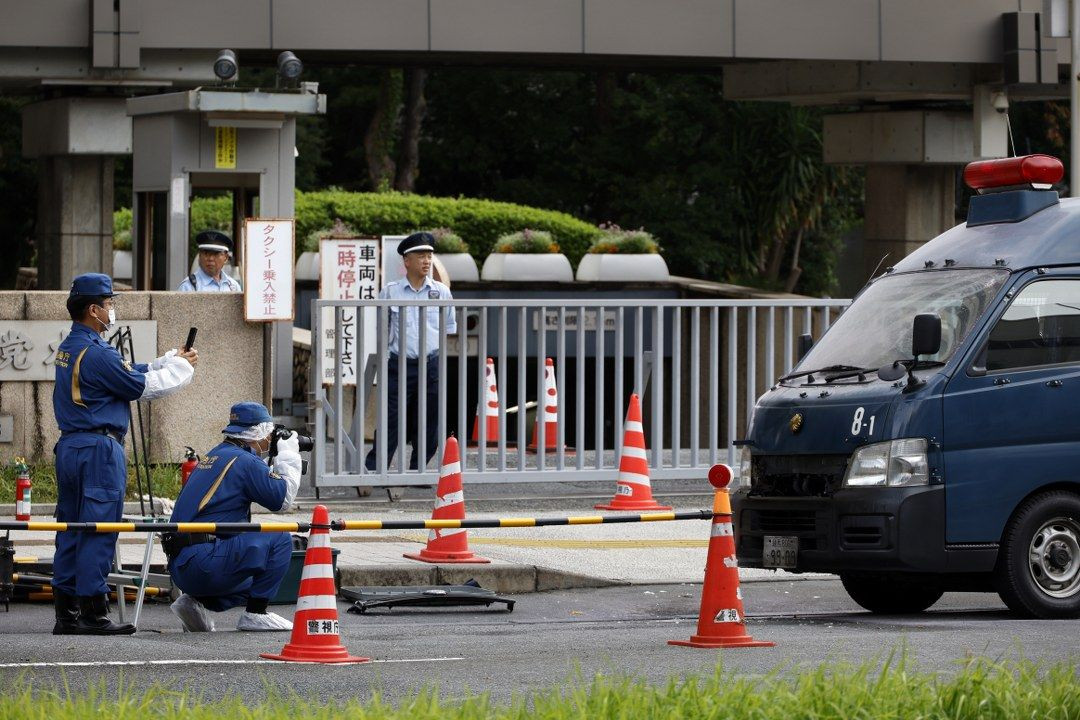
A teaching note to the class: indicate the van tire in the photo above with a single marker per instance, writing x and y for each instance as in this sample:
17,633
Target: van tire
1038,568
890,594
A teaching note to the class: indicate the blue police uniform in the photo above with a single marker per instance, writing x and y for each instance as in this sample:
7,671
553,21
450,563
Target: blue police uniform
227,570
199,281
430,289
94,385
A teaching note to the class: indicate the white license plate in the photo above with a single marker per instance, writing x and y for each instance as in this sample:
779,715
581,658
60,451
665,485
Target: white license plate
780,551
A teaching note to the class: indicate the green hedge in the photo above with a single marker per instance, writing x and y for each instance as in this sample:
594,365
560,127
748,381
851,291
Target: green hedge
478,222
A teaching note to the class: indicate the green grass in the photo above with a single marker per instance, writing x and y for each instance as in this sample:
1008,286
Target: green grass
979,689
164,479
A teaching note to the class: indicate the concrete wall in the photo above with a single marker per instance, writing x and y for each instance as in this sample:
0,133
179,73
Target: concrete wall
230,370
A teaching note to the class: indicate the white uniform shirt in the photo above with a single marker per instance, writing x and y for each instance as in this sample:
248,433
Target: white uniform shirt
430,290
205,283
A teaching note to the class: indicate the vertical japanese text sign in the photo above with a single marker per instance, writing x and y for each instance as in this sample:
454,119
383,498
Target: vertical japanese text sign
348,270
269,287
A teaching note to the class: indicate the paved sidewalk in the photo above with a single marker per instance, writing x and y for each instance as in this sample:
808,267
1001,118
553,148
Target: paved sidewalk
522,559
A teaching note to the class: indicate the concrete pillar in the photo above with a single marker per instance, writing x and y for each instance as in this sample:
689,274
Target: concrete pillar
75,218
906,205
76,141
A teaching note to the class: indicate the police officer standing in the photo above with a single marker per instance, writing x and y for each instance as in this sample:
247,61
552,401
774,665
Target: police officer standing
94,386
417,251
215,250
222,571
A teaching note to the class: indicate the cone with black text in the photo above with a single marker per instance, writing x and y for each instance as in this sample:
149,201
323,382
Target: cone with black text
633,490
315,634
721,619
448,545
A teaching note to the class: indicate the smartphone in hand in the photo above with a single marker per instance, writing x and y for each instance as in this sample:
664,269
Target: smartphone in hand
190,343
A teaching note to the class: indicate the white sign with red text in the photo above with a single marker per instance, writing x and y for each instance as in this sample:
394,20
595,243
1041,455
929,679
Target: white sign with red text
268,270
348,270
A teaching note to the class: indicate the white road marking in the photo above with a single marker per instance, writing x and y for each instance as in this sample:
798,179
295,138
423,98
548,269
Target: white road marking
259,661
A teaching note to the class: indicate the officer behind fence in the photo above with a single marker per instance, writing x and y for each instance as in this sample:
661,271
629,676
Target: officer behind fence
215,249
222,571
94,385
416,250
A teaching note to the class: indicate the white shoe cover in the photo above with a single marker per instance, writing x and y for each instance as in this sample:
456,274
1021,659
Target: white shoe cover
263,622
192,613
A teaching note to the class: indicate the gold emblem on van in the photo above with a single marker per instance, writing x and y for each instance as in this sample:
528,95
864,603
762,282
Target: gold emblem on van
796,422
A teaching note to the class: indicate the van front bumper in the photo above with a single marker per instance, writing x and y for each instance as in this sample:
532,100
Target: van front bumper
856,529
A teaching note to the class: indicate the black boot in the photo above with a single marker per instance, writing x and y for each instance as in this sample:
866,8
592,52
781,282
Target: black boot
94,618
67,613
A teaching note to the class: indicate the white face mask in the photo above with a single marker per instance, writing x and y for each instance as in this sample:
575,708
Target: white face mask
112,320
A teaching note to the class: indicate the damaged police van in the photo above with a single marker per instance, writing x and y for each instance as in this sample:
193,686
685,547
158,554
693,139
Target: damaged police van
930,440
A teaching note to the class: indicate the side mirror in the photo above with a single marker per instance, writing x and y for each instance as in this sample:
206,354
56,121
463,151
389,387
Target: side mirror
806,341
925,335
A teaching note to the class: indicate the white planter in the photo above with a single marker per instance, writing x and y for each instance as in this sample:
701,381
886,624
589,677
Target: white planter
307,266
528,267
121,262
459,266
646,267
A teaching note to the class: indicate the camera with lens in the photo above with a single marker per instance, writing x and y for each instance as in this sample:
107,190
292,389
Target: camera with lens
281,433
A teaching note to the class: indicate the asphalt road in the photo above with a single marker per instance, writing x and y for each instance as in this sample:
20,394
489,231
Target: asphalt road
619,630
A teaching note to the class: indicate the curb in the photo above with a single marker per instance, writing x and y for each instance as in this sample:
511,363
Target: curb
500,578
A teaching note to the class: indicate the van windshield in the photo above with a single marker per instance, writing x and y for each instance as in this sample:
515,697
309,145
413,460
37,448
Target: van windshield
875,329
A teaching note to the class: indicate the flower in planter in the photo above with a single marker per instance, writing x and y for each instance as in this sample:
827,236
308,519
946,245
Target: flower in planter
340,230
614,240
527,241
447,242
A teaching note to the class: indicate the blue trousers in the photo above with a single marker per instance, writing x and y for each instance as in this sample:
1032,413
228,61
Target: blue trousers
225,573
412,410
91,476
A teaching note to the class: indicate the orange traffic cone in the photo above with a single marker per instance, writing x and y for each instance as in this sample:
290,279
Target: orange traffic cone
633,491
547,412
315,636
450,545
489,406
720,622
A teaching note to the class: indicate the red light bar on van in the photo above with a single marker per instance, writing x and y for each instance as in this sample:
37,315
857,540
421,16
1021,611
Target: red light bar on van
1009,172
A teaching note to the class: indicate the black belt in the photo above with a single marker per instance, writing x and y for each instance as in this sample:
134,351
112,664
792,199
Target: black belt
118,437
172,543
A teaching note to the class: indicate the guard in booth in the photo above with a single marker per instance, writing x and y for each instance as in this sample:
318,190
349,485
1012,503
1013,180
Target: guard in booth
94,385
221,571
215,251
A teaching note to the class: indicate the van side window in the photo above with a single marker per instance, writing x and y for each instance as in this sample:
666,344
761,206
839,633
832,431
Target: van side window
1040,327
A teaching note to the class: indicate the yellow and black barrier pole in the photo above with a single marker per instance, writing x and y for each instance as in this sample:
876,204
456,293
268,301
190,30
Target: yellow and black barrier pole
343,525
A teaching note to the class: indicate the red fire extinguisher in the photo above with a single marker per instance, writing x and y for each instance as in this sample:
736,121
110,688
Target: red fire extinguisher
22,490
190,461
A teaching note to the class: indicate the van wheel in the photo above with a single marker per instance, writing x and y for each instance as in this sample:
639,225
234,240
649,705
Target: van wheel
890,594
1038,568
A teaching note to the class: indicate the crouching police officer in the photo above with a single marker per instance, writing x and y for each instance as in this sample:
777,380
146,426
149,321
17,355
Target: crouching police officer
222,571
94,385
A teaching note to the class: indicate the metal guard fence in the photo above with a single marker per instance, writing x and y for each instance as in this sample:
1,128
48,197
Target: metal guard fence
672,353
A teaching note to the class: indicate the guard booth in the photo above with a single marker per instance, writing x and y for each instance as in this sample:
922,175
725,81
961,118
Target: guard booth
227,141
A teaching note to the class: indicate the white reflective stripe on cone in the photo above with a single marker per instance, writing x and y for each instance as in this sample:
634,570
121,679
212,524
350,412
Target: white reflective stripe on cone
444,532
450,469
635,452
316,602
321,540
633,478
450,499
319,570
632,426
721,529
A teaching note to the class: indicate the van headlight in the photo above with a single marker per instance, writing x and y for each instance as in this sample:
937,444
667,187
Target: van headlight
898,463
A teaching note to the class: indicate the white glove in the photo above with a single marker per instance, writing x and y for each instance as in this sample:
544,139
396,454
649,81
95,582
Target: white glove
163,360
289,466
174,373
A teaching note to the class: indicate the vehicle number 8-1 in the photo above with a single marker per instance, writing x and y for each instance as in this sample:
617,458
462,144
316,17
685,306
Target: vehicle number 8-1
857,423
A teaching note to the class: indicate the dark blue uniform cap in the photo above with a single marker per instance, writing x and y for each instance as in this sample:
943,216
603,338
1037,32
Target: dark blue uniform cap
245,415
214,240
92,284
417,242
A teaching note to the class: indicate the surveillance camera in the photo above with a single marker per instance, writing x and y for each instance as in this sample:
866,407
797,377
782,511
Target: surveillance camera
1000,101
225,67
289,66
